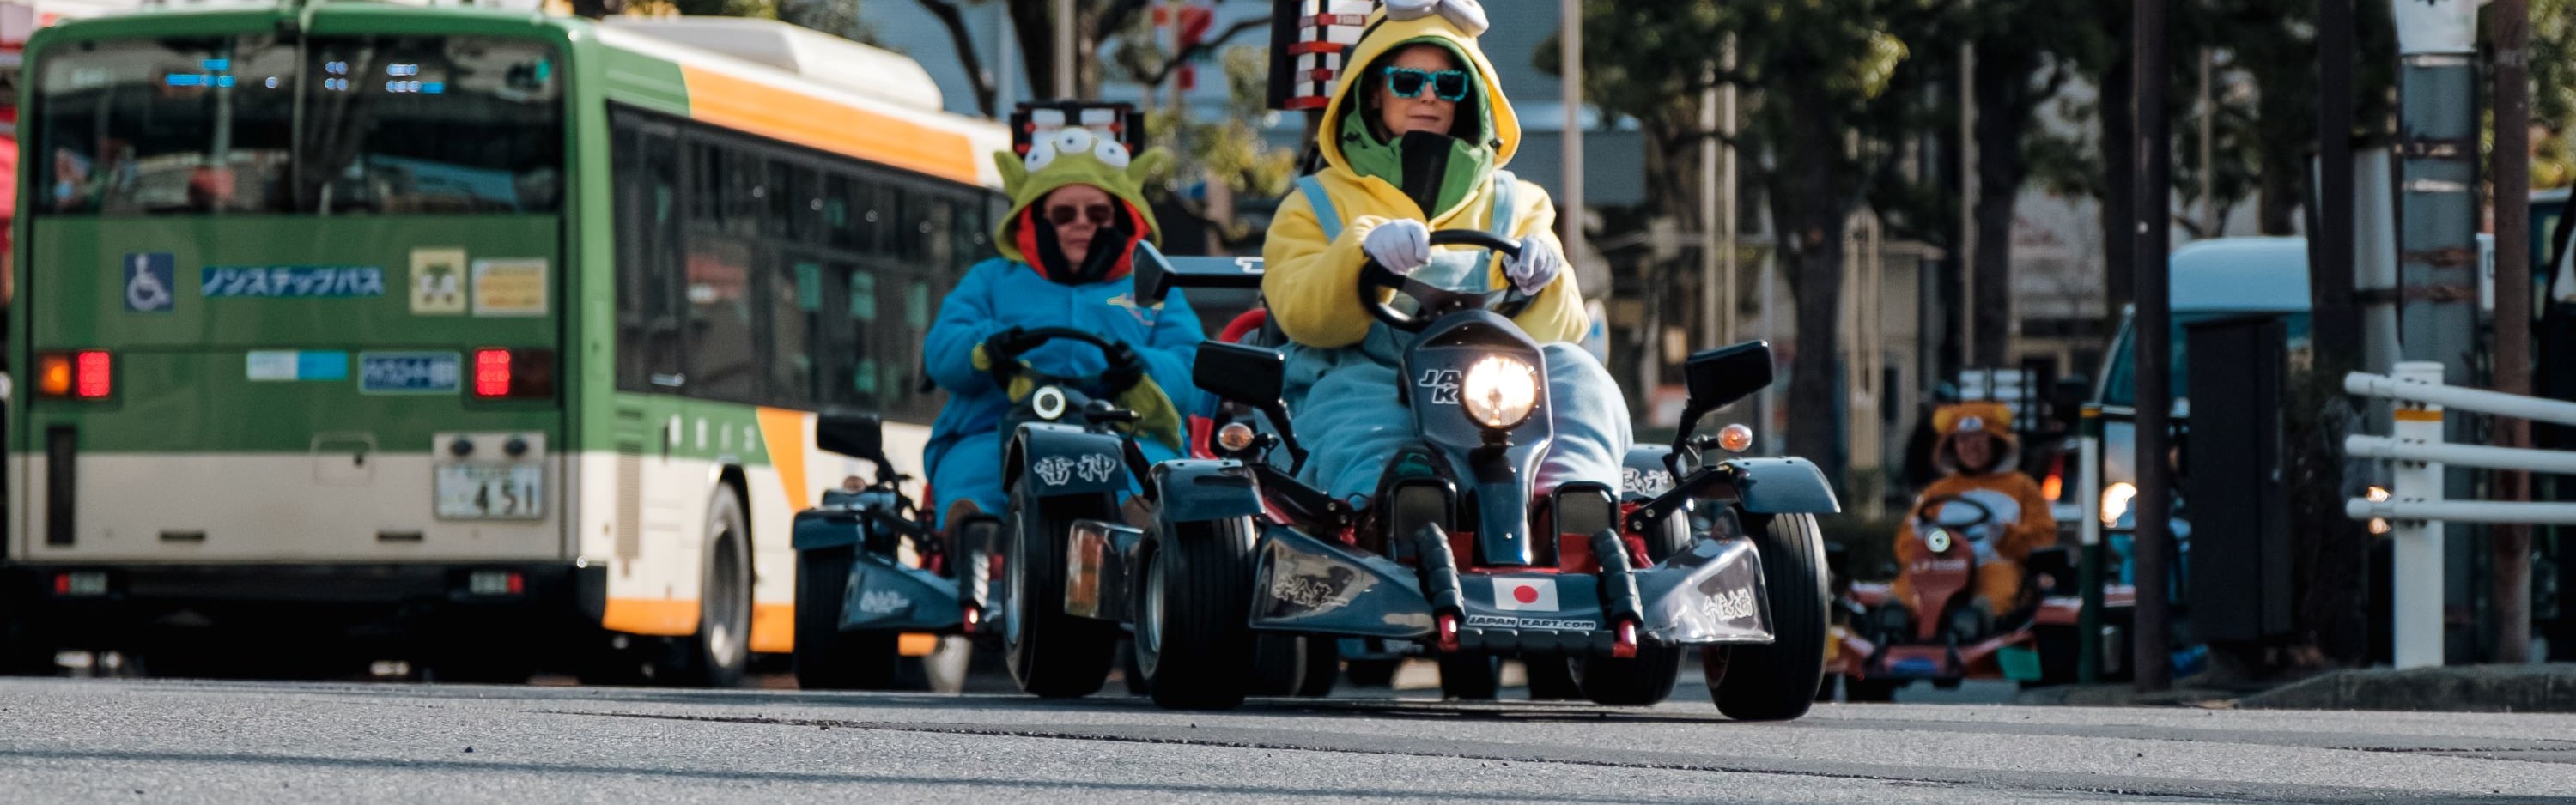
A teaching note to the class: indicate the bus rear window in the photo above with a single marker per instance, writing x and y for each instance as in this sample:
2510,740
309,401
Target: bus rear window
390,124
171,125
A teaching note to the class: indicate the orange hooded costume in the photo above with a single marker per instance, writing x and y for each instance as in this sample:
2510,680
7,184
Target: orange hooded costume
2021,518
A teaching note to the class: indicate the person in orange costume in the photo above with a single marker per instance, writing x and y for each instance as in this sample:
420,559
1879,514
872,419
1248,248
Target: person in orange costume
1977,458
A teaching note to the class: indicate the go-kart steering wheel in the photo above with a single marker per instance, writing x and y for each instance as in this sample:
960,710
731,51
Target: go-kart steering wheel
1041,336
1435,300
1938,502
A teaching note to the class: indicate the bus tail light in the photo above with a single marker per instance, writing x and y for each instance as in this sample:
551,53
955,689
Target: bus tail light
514,374
88,374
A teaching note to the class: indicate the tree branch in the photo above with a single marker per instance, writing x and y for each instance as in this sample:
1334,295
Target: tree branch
1204,46
949,15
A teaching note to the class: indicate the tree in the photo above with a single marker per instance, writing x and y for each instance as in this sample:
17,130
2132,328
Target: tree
2027,51
1824,130
1228,152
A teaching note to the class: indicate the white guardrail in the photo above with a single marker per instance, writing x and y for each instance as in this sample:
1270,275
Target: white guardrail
2415,508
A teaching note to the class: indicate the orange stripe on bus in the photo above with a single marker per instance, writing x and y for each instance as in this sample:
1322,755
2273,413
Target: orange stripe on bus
2418,415
783,431
651,616
780,114
773,628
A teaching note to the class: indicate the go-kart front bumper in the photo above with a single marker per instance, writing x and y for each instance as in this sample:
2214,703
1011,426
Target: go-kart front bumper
1711,593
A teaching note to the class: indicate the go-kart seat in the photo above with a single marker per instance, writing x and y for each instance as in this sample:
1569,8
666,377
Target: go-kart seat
1251,328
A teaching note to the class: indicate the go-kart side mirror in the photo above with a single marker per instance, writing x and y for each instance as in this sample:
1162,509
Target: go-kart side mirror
1250,375
1719,377
1715,379
854,434
1156,274
2066,399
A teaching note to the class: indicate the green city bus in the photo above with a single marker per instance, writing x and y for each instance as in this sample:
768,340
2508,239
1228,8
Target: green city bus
485,341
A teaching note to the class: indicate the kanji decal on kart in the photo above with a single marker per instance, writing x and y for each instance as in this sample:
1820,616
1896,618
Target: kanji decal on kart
1097,467
1645,483
875,602
1055,470
1443,385
1731,605
1306,584
1536,594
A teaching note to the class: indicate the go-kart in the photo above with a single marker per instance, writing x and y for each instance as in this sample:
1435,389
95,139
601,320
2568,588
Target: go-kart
1944,635
869,571
1457,554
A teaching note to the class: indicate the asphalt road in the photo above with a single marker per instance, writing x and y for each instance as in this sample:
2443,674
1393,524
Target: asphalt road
122,740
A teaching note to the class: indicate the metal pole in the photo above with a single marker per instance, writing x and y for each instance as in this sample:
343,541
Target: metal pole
2088,494
1569,202
2208,151
2438,203
2154,318
1714,331
2510,22
2415,561
1064,48
1967,206
1726,209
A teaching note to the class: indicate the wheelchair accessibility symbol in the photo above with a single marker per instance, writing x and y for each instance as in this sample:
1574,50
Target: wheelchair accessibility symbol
148,280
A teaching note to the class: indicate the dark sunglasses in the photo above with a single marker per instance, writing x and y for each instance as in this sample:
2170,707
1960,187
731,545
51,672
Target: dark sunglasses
1100,214
1406,82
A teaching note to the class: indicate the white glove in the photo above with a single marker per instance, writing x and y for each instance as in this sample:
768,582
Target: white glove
1401,245
1536,267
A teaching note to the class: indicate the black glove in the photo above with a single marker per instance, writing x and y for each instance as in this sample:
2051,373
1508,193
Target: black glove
1125,368
1001,352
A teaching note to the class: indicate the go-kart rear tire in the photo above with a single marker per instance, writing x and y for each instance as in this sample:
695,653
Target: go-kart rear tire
1050,653
1776,682
827,658
1470,677
1194,639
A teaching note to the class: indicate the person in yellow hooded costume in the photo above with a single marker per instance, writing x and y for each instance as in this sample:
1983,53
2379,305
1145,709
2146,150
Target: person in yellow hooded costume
1977,458
1414,139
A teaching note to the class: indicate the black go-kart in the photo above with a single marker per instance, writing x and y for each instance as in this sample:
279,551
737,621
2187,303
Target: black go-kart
869,571
1457,553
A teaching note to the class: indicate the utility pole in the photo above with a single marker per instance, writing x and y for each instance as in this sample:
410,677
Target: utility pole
1726,210
2437,268
1569,205
1714,332
2208,148
1064,49
1967,257
2154,157
2510,31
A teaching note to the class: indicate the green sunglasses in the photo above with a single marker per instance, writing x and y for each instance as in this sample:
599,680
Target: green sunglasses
1407,82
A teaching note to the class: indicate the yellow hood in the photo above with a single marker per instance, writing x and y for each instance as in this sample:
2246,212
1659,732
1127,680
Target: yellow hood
1384,35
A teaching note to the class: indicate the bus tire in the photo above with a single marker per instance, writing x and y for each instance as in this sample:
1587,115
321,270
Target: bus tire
717,654
1777,681
1050,653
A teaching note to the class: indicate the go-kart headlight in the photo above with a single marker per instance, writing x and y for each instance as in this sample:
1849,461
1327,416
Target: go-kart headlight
1938,541
1048,403
1499,392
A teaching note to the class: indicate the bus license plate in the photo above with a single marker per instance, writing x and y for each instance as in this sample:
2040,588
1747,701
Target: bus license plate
491,491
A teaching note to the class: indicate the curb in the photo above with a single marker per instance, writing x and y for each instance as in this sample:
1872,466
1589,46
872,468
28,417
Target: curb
2468,689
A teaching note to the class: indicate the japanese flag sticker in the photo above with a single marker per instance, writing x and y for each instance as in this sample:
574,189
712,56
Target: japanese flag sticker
1537,594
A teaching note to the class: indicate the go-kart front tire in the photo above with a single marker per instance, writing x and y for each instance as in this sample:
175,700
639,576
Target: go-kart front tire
1050,653
1194,641
1647,678
827,658
1777,682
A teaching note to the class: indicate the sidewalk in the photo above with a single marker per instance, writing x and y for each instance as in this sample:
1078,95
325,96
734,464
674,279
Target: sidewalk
2466,689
